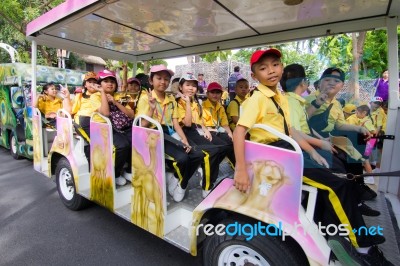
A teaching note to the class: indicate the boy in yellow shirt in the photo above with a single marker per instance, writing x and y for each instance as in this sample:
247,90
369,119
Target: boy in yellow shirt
233,110
267,106
216,121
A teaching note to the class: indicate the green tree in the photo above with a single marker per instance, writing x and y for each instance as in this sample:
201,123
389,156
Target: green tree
215,56
14,17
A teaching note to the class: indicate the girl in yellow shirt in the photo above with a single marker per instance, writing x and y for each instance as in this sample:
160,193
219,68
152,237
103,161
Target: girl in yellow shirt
190,119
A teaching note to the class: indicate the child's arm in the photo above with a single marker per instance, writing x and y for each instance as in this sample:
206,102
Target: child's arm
228,131
241,177
305,146
124,77
320,143
104,107
187,120
182,135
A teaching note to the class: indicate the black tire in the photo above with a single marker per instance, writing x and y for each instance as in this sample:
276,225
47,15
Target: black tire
13,146
66,187
260,250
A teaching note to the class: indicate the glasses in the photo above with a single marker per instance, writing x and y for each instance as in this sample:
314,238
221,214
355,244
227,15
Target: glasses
306,81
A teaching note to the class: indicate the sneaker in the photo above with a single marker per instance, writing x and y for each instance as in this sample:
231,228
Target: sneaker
367,193
128,176
205,193
344,251
179,193
375,258
120,181
368,211
172,182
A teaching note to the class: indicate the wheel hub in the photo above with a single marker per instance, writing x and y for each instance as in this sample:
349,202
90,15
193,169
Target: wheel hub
240,255
66,184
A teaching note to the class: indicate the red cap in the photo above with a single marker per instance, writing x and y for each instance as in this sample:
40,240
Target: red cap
257,54
214,86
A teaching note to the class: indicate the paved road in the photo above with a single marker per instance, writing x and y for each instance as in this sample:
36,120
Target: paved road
36,229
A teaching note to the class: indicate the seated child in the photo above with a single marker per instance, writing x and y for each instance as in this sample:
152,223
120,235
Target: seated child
163,108
48,102
268,106
121,117
233,110
363,118
216,121
190,119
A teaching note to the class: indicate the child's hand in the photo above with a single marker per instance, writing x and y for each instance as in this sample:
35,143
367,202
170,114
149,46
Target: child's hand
365,132
322,97
187,147
318,158
152,100
51,115
207,135
110,99
241,181
327,146
184,97
65,91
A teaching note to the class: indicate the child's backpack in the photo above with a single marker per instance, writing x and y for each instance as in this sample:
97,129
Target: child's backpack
232,82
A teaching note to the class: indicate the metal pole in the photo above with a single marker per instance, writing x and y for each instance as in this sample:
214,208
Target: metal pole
33,82
391,149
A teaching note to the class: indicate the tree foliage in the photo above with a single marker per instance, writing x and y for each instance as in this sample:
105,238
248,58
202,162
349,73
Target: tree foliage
14,17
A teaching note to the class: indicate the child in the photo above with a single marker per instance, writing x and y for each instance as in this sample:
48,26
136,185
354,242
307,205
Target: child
268,106
225,97
121,117
377,113
163,108
190,118
82,108
214,118
348,110
48,103
233,110
363,118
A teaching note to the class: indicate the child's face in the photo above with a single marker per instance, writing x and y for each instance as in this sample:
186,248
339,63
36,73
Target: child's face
175,87
361,114
133,87
331,85
385,75
108,85
160,81
242,88
268,71
90,85
51,91
214,96
188,88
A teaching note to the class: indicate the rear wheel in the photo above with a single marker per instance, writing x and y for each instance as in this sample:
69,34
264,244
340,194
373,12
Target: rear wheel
260,250
14,146
66,187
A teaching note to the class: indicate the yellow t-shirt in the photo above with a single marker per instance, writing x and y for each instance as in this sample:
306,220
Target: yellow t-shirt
336,116
234,110
214,116
165,110
196,110
260,109
95,102
365,122
46,106
298,114
83,106
378,117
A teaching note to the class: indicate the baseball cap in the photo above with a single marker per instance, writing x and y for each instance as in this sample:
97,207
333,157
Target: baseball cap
257,54
328,73
214,86
105,74
377,99
349,108
130,80
188,76
90,75
159,68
